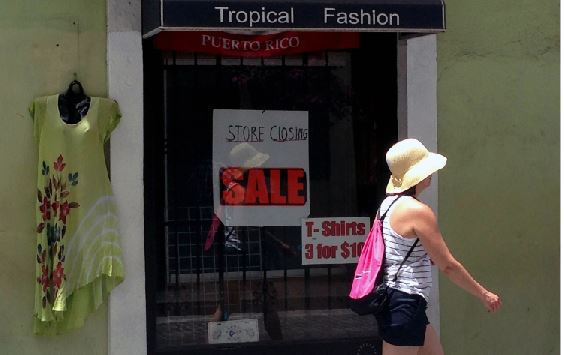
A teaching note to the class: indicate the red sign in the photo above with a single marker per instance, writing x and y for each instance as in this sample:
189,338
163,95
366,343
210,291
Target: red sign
262,187
267,45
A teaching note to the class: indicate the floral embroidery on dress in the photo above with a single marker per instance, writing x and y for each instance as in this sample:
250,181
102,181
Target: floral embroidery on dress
55,209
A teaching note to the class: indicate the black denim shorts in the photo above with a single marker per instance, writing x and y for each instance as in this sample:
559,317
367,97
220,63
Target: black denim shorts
404,322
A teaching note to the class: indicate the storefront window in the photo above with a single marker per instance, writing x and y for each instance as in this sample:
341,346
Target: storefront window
247,148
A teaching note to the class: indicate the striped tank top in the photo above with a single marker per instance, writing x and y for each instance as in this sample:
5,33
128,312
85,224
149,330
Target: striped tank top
415,275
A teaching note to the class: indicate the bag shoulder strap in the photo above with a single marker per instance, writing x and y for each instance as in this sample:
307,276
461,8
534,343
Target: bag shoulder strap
410,249
390,206
404,259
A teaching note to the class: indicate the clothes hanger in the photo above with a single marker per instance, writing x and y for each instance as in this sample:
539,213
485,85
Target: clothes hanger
75,88
73,103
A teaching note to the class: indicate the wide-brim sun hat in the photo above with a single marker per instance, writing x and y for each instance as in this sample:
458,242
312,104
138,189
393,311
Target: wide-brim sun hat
410,163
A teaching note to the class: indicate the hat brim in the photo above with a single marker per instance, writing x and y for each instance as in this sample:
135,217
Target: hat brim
417,173
256,161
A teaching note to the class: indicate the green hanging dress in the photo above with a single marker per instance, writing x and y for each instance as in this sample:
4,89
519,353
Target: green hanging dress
78,257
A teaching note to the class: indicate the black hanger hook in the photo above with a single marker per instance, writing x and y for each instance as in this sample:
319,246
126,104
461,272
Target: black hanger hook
75,88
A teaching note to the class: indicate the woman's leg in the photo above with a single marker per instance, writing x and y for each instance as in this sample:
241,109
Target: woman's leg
389,349
432,344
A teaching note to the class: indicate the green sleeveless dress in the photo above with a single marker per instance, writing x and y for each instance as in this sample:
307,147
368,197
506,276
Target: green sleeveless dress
78,256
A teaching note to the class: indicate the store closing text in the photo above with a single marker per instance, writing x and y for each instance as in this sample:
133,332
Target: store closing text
255,134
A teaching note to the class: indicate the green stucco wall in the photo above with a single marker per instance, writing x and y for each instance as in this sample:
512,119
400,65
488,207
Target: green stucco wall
498,123
40,49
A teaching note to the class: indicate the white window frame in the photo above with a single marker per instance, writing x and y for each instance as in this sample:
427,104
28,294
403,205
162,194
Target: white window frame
127,321
417,118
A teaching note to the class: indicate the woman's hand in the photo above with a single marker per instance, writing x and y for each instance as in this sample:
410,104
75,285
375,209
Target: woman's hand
491,301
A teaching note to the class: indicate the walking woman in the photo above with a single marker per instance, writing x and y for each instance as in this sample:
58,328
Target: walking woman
412,225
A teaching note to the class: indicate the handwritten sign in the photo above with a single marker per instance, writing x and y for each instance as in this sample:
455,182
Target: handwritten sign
261,167
333,240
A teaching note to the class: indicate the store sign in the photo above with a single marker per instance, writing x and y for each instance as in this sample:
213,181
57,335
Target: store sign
333,240
264,45
319,15
261,167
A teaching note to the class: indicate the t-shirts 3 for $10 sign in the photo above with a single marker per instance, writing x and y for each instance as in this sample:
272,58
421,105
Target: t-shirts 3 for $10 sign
333,240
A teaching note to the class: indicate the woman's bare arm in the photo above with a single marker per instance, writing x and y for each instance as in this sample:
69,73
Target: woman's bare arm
427,230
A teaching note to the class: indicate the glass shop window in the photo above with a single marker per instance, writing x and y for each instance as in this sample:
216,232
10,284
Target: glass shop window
262,179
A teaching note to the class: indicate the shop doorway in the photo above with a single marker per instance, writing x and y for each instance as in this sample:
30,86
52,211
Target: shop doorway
254,274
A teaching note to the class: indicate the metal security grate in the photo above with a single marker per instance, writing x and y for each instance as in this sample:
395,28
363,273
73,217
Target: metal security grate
317,59
185,234
350,97
186,257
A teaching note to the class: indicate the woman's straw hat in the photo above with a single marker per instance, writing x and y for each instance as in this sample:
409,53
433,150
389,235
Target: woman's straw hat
246,156
410,163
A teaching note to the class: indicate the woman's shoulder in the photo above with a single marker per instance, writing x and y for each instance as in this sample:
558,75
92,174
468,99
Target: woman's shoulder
413,207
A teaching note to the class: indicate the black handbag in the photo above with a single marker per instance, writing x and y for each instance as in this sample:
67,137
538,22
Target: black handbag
373,303
378,300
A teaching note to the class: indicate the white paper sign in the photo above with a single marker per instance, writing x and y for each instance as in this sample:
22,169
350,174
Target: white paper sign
333,240
261,167
233,331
